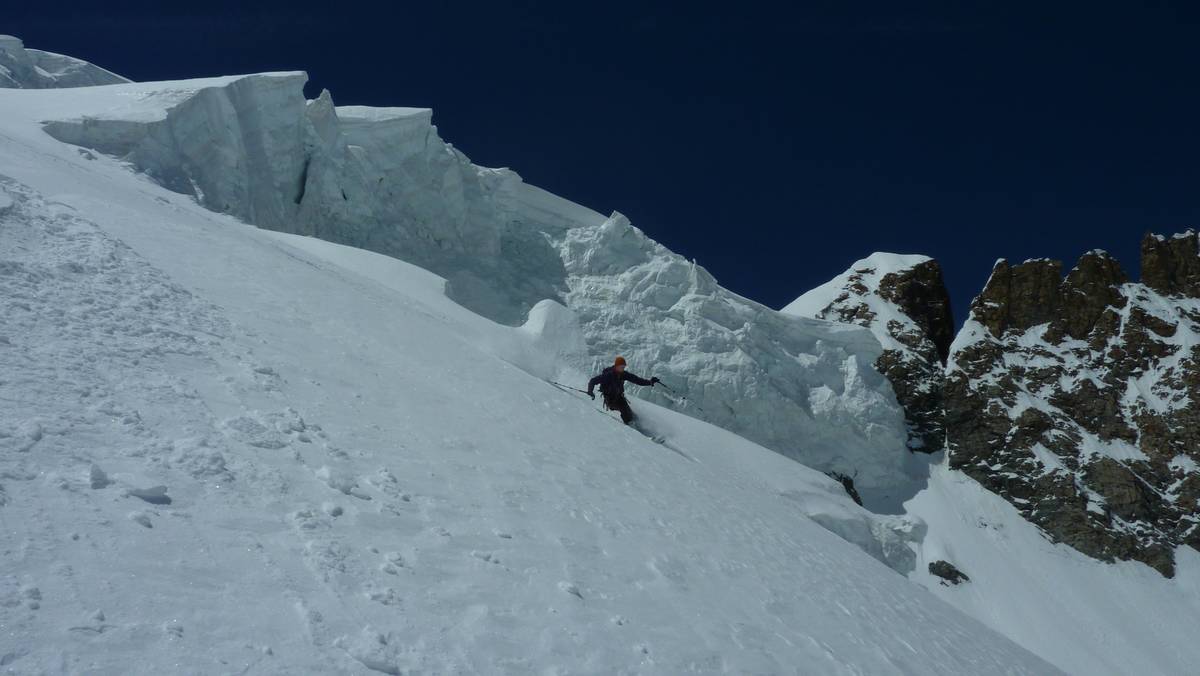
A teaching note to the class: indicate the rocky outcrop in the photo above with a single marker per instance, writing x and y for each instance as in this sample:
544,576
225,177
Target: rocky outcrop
903,300
1171,266
1077,399
920,294
22,68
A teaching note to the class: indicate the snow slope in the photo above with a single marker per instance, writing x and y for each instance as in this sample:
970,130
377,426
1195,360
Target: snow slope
228,450
383,180
1085,616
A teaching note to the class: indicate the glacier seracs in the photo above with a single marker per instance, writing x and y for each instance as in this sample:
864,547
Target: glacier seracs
24,68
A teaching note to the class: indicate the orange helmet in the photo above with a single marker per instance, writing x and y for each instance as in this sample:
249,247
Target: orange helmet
619,361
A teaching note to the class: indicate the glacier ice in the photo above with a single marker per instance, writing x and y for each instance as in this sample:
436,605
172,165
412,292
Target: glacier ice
23,68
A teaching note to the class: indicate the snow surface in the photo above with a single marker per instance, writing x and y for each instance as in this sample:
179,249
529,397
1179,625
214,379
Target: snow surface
229,450
1085,616
382,179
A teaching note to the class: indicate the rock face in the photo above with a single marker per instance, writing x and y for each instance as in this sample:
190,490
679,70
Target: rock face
904,302
1075,398
1170,266
382,179
23,68
1078,399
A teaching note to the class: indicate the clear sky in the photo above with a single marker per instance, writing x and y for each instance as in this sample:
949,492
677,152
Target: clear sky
775,144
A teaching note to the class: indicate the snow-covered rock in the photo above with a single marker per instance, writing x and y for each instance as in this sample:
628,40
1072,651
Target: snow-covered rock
1078,399
34,69
381,179
904,302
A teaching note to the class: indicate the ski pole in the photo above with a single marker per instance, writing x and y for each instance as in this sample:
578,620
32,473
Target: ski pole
566,387
679,398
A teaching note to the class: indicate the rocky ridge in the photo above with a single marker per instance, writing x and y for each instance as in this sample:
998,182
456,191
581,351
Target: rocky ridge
1077,399
1074,397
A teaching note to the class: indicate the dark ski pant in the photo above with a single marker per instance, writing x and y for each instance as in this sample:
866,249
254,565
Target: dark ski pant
621,405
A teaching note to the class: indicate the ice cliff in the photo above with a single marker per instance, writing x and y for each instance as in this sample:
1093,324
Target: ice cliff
22,68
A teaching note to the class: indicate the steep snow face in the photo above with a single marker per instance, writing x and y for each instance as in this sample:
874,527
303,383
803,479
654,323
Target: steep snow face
227,449
903,301
23,68
382,179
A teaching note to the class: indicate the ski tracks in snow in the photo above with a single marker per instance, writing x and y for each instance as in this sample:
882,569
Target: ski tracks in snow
94,424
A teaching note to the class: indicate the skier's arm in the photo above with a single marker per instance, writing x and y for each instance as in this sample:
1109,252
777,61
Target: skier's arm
637,380
592,384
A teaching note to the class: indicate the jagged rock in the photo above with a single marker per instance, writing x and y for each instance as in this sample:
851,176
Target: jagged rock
948,572
847,483
920,294
1172,266
1074,400
1019,297
1090,289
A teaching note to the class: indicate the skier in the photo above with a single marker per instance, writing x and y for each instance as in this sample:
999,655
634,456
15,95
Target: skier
612,387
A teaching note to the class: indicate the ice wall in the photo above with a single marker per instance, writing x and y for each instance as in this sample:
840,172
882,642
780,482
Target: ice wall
22,68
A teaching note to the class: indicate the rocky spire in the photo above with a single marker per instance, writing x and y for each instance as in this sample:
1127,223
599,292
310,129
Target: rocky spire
1172,266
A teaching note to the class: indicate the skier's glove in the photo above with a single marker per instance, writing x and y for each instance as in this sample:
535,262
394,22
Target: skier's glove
653,381
592,396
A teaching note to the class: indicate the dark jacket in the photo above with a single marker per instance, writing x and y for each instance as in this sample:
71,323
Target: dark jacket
612,382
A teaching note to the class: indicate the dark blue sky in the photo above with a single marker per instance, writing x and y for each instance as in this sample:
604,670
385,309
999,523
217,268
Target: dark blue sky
776,146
